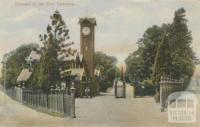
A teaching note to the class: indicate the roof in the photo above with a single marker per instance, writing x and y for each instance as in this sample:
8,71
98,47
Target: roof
97,72
91,20
75,71
71,57
33,56
24,75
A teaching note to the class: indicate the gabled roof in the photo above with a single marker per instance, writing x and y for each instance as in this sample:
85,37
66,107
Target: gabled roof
24,75
97,72
69,58
81,57
33,56
90,20
74,57
75,71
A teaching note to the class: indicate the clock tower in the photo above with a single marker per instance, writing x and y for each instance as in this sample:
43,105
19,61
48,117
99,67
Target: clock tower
87,46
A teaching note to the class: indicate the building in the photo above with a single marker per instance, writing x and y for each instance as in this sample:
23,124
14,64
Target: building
27,72
81,65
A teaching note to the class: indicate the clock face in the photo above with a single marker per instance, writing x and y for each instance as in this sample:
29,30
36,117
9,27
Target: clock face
86,30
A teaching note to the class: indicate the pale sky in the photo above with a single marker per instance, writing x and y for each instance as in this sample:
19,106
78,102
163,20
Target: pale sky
120,23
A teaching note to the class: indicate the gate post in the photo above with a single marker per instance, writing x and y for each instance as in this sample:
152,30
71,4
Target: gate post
124,89
161,94
115,87
72,90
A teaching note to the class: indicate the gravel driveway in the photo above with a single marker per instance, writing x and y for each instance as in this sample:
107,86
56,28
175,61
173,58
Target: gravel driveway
101,111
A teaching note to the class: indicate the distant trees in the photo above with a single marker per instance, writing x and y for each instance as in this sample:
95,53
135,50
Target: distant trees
15,63
140,63
163,50
108,68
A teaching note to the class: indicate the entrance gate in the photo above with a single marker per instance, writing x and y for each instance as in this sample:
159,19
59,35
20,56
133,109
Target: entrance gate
120,89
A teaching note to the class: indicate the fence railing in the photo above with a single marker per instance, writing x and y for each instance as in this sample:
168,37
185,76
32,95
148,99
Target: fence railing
60,103
168,85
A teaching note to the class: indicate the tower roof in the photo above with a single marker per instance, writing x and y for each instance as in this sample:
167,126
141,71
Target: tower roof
91,20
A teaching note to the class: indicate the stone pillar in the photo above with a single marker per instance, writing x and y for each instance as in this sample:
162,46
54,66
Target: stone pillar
72,90
124,89
134,91
115,88
161,98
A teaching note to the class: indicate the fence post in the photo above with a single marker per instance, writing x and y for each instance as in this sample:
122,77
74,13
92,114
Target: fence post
23,96
47,101
38,99
57,107
72,90
32,98
161,94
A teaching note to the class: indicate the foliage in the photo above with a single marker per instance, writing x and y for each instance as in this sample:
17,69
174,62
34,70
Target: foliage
108,68
47,72
163,50
183,57
163,61
15,63
140,63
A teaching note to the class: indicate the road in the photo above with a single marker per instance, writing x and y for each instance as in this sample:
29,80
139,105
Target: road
14,114
101,111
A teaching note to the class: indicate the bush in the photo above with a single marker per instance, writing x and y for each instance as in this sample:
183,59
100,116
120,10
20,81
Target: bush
104,84
143,89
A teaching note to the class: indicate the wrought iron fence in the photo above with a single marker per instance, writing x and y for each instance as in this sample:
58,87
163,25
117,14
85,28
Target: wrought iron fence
169,85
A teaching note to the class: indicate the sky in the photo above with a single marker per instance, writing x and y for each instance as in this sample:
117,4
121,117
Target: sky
120,23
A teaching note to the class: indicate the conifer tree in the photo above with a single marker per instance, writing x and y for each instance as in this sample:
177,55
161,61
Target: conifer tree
55,42
181,39
171,54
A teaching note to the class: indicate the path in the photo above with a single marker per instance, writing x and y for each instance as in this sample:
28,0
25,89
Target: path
101,111
14,114
105,111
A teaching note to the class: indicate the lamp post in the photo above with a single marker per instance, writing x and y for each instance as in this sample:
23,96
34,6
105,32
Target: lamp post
72,90
4,61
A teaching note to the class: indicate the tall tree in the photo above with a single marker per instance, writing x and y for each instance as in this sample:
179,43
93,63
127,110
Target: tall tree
140,63
57,36
158,53
181,39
